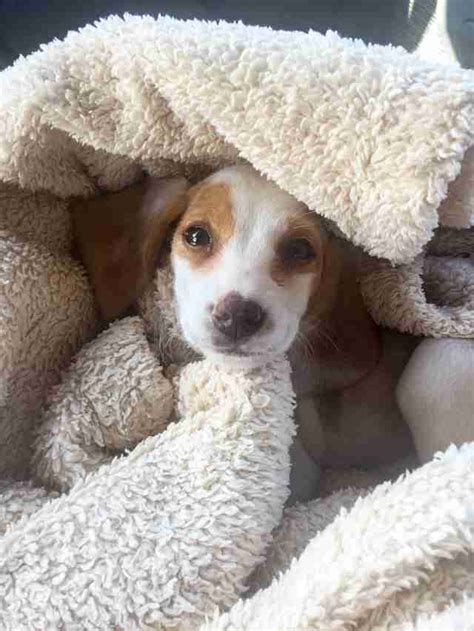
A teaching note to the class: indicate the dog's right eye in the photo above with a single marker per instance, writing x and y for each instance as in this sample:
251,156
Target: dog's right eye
197,237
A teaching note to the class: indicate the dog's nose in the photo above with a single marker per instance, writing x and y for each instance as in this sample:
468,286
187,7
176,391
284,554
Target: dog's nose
236,318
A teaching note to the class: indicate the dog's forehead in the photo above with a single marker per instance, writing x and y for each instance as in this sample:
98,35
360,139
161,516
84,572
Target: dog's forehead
251,196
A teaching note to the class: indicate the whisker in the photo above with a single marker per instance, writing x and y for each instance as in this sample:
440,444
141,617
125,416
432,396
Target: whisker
306,345
325,335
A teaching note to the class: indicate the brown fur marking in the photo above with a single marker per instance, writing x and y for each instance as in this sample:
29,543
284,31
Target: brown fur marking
210,206
306,226
120,237
341,333
106,242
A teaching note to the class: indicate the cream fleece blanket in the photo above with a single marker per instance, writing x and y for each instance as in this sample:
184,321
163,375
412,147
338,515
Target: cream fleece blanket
370,137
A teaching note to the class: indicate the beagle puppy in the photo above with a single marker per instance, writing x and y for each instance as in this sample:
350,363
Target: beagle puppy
256,274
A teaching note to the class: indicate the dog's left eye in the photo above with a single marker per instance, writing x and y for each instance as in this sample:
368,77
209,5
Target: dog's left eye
297,249
197,236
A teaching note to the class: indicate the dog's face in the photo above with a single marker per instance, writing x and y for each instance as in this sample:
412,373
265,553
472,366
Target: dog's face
247,257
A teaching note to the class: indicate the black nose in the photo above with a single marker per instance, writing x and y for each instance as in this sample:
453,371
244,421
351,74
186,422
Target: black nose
236,318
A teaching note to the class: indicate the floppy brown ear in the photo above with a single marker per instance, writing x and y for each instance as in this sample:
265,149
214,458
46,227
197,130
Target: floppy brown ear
164,203
119,237
345,338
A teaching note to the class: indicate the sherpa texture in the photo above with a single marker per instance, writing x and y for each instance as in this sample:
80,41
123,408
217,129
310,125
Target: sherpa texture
19,500
113,396
46,312
432,297
368,136
179,524
404,549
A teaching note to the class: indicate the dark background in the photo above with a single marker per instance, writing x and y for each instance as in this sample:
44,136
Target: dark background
25,24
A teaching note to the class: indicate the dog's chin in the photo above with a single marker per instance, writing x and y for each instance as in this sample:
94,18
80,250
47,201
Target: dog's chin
245,355
238,358
253,351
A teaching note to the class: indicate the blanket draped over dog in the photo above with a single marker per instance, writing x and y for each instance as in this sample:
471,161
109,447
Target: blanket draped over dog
172,535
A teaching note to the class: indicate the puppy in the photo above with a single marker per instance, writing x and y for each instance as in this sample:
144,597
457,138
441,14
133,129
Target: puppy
256,274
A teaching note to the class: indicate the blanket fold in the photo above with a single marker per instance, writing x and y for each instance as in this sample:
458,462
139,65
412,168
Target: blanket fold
397,550
179,524
335,122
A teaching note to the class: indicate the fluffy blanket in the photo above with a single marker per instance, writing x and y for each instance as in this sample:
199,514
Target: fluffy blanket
172,535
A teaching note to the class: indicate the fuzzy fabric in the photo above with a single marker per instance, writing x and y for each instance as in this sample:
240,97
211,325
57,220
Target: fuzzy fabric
113,396
46,312
432,297
178,525
404,549
171,535
338,124
401,556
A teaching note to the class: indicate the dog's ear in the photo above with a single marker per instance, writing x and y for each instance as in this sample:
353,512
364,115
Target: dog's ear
164,203
345,338
120,237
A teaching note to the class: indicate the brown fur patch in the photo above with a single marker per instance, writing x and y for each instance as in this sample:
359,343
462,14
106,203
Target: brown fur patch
156,232
340,331
120,237
106,242
305,226
210,207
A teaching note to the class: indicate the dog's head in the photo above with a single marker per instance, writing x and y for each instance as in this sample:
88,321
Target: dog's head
250,262
246,258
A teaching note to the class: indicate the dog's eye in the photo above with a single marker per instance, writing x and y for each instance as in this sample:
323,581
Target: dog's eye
297,249
197,237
